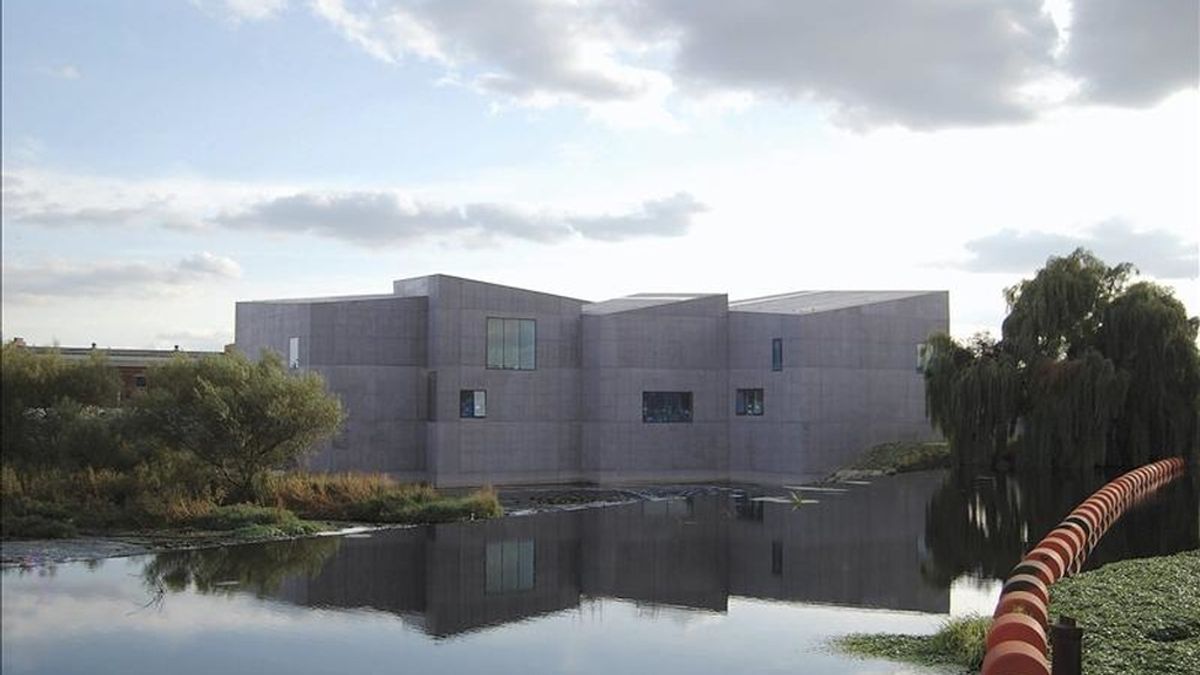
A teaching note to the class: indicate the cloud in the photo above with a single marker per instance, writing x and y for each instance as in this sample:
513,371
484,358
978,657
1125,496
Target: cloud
63,72
385,218
1134,53
1156,252
237,11
923,64
68,279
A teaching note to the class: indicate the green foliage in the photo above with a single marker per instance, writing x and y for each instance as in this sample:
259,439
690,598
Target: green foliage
960,642
1090,371
904,457
44,398
239,417
252,521
1138,616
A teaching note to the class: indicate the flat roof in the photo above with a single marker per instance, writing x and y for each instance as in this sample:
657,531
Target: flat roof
804,302
120,357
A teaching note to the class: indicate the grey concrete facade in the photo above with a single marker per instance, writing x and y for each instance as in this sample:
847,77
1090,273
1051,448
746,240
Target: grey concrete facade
400,363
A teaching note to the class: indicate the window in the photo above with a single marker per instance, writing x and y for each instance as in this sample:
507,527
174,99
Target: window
777,354
472,403
293,352
509,566
666,406
139,381
511,344
777,557
749,402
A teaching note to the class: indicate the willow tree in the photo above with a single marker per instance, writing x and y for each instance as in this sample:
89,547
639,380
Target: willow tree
1090,370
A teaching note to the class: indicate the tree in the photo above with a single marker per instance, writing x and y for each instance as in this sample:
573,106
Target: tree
45,398
1090,370
239,417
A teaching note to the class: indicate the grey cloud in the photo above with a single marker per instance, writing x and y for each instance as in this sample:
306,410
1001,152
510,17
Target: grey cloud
1134,52
1157,252
914,62
383,218
57,279
923,64
670,216
23,205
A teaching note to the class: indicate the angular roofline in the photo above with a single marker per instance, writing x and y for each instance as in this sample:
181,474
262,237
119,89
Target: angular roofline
490,283
759,304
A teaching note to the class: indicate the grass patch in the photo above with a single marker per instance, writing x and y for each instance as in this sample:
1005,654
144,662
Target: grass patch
959,642
903,457
254,522
375,498
1138,616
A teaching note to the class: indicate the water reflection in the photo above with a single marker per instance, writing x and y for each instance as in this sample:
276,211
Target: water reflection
860,549
898,544
982,525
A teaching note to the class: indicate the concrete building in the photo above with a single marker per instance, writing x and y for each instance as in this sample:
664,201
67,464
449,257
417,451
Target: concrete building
460,382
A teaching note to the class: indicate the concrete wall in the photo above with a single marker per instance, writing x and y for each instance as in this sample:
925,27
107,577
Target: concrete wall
674,347
399,363
531,432
371,353
849,381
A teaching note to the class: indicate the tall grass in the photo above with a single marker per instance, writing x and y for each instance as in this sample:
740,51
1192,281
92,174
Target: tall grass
374,498
959,642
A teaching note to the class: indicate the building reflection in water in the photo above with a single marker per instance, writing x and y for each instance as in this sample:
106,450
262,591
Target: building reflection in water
860,549
897,544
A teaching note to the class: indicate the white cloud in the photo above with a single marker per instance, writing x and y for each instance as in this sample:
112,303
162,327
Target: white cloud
63,72
59,278
237,11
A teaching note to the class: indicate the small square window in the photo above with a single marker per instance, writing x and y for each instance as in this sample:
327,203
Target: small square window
472,403
777,354
749,402
139,381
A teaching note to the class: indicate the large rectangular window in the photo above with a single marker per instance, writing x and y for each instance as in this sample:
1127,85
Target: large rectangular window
666,406
472,403
511,344
777,354
509,566
749,402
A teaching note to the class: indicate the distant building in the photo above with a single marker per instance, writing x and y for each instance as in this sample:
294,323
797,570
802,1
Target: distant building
131,364
461,382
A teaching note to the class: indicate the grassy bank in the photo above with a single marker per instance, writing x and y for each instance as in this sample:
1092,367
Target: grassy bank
890,458
49,503
1138,616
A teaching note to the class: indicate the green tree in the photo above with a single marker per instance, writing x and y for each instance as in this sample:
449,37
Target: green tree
239,417
45,398
1090,370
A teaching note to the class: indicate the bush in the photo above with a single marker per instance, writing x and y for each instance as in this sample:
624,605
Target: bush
374,498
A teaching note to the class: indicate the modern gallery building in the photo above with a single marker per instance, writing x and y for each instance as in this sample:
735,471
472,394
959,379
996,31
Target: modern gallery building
461,382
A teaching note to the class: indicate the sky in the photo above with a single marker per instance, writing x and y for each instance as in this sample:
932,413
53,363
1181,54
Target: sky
165,159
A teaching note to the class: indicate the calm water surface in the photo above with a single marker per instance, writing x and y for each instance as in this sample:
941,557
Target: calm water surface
714,583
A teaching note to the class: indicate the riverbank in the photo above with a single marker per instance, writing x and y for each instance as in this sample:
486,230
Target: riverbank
887,459
1138,616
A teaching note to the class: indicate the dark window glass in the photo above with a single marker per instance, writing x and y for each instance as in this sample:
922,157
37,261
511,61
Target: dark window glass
509,566
749,402
777,557
512,344
139,381
472,403
666,406
777,354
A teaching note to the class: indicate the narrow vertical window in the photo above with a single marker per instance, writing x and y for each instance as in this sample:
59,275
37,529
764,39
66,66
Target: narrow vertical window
293,352
777,557
777,354
495,343
472,403
922,357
